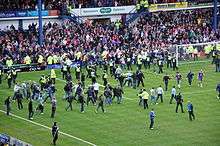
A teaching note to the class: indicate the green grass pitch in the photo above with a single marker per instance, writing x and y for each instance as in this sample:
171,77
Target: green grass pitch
125,124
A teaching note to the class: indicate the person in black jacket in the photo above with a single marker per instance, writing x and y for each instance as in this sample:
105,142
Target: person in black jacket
30,110
7,104
117,91
179,102
55,131
90,95
166,79
190,77
19,97
140,77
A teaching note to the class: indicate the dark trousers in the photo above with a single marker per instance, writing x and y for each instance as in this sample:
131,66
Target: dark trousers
166,85
169,64
82,106
0,79
9,83
102,107
7,110
20,105
55,137
53,112
151,123
31,113
161,97
171,99
64,74
148,64
140,81
96,95
174,66
190,81
217,68
181,105
90,98
105,82
191,115
129,66
160,69
69,106
145,103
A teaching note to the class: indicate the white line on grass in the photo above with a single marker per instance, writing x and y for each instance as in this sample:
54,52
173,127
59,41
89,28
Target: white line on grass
46,127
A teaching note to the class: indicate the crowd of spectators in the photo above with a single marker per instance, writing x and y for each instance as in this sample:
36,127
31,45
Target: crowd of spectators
59,4
157,31
31,4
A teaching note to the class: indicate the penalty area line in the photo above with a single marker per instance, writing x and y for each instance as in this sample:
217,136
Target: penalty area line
46,127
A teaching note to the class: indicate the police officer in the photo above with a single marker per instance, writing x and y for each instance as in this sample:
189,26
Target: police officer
9,78
55,131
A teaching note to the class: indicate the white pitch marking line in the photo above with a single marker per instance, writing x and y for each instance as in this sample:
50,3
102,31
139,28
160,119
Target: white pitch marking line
46,127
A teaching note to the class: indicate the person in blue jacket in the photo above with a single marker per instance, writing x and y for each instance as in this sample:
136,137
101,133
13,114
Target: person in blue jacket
190,111
152,116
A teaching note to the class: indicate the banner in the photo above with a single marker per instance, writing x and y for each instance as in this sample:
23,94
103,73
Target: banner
103,11
10,14
7,14
35,13
21,14
159,7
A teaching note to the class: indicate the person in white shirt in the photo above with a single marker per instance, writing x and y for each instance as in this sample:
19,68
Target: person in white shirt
173,94
153,95
96,89
160,94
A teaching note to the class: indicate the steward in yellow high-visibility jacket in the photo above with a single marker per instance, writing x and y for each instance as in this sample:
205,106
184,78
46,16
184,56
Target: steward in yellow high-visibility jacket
40,60
9,62
27,60
53,76
49,60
